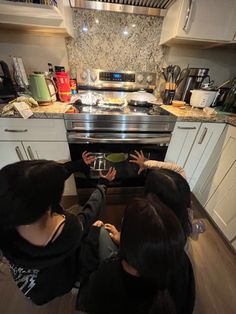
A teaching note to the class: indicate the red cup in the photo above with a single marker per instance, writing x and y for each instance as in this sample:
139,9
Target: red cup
63,85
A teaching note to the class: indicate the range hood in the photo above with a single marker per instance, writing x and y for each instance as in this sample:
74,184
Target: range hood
143,7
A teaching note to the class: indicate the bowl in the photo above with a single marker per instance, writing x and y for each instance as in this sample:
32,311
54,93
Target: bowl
116,157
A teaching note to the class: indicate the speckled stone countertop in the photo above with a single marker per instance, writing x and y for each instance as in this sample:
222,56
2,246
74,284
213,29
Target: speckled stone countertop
57,110
187,113
53,110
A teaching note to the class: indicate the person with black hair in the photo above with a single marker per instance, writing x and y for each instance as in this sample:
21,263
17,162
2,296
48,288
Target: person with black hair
152,273
45,245
167,182
174,191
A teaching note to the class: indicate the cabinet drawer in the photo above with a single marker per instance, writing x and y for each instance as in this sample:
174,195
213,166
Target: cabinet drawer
32,129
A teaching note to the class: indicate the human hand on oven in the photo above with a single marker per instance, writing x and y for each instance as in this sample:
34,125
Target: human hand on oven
87,158
139,160
110,175
113,232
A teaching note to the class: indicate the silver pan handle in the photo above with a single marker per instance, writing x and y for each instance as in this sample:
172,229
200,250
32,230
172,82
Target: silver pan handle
162,139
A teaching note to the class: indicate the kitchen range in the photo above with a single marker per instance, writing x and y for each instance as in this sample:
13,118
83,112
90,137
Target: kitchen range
111,118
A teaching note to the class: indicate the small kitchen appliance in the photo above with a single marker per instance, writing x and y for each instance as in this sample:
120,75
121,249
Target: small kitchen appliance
7,89
201,98
41,88
191,78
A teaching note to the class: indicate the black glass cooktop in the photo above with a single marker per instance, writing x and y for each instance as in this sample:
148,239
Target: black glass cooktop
148,109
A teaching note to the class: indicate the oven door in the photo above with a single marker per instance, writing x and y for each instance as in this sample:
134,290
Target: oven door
153,145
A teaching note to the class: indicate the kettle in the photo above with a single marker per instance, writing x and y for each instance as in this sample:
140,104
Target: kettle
42,88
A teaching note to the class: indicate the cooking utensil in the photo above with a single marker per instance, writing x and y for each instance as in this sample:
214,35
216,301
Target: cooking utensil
175,73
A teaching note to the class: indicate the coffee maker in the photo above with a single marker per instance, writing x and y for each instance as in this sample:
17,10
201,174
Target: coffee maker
7,89
190,78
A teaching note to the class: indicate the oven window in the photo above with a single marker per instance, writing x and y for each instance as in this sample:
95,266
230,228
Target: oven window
127,173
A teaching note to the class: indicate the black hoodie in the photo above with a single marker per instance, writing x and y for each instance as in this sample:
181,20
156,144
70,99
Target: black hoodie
43,273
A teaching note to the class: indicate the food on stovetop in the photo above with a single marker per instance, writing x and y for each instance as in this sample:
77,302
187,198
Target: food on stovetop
112,101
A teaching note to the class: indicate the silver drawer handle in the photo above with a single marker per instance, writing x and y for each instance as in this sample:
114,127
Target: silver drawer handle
30,152
19,153
202,136
188,14
13,130
187,127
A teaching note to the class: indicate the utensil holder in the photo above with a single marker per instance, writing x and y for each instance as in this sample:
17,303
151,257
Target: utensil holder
169,93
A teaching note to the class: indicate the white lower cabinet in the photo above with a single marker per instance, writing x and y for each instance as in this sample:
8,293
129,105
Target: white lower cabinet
234,244
182,140
219,187
202,149
35,139
222,204
11,152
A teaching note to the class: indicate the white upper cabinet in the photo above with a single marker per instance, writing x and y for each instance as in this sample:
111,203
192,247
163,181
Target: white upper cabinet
37,17
199,22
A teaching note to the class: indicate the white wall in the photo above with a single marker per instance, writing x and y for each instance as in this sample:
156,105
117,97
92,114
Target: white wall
221,60
36,50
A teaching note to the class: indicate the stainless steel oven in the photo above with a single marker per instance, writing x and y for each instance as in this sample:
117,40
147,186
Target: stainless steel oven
103,131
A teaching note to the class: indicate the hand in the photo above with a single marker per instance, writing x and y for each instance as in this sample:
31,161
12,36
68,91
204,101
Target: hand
110,175
139,160
98,223
87,158
113,232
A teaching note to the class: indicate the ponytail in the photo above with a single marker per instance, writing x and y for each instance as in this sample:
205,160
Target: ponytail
162,303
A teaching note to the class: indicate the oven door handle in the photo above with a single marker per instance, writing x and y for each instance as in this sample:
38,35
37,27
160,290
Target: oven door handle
160,139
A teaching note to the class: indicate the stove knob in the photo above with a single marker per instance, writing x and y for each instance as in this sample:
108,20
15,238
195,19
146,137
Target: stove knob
93,76
84,75
140,78
149,78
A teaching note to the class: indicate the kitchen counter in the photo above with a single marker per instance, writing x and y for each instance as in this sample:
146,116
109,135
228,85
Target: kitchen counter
198,115
57,110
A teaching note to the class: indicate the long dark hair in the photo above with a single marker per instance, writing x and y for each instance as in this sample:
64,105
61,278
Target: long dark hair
28,189
173,190
152,242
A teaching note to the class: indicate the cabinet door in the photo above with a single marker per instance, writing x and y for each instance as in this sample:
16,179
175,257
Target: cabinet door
11,152
208,20
234,244
202,149
182,140
202,21
218,165
58,151
18,129
222,207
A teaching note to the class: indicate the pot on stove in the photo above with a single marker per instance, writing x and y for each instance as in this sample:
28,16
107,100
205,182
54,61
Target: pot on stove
141,98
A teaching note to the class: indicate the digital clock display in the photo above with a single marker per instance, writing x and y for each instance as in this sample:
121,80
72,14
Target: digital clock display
116,75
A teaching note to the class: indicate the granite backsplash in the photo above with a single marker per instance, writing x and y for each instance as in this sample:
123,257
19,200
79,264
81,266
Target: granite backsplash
115,41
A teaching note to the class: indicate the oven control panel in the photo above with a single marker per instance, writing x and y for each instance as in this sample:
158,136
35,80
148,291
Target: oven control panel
126,80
